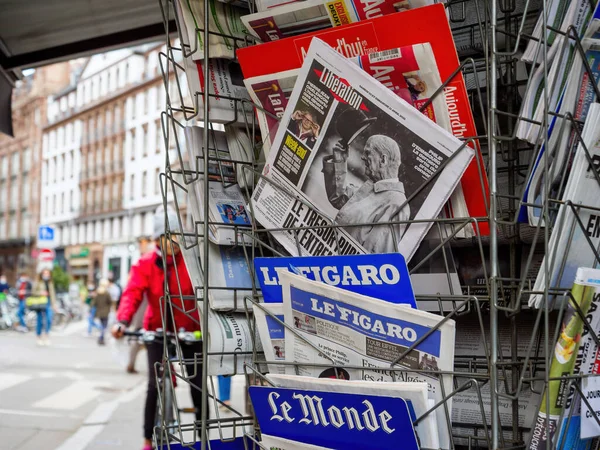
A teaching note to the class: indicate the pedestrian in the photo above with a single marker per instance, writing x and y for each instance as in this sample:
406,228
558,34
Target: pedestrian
91,292
102,303
43,301
148,276
4,287
23,291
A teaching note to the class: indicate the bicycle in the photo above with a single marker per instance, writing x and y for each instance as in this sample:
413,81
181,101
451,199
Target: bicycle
165,417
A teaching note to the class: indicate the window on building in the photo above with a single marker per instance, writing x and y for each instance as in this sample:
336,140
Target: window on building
13,226
4,167
27,159
98,198
133,143
133,106
14,163
160,142
145,140
156,181
117,80
108,80
132,187
106,196
26,191
108,119
14,196
117,118
144,183
61,167
54,205
71,201
63,204
126,72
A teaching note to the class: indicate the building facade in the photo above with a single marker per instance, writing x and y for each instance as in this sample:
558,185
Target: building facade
103,151
20,169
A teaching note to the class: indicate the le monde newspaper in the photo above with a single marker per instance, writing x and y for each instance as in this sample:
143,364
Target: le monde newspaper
350,152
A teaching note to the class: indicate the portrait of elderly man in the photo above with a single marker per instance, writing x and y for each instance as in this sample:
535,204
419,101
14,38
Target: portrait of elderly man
379,199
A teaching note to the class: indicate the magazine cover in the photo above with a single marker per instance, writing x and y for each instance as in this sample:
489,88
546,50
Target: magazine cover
299,17
563,361
428,24
382,276
353,330
360,155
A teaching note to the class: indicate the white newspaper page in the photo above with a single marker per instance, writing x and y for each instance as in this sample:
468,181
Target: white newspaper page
355,330
413,393
356,152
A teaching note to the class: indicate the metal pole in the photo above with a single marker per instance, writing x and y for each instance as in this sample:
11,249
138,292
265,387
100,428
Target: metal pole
204,308
495,421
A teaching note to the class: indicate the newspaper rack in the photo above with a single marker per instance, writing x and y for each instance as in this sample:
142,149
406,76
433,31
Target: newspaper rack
503,370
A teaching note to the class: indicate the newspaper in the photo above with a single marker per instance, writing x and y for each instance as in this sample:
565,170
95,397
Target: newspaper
217,149
230,281
226,90
228,32
272,334
277,21
354,330
414,394
565,360
335,110
570,245
409,72
231,343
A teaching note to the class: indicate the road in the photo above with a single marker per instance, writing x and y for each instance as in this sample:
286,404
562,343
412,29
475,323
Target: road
73,395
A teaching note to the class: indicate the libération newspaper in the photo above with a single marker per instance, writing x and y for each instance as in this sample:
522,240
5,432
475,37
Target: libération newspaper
356,153
342,328
410,72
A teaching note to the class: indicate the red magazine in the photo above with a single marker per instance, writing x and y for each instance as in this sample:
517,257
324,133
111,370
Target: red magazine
426,24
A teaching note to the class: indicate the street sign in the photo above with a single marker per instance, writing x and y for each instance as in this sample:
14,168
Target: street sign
46,237
46,255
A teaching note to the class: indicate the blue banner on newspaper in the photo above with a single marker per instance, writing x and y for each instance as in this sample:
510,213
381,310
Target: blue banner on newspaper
378,327
276,330
334,419
382,276
215,444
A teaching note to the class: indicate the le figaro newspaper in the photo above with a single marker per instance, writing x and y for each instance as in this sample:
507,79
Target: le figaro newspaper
341,328
351,152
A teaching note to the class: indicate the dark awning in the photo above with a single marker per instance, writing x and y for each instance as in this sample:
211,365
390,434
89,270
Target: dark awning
36,32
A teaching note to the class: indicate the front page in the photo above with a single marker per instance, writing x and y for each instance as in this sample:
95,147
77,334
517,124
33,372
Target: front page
353,330
357,153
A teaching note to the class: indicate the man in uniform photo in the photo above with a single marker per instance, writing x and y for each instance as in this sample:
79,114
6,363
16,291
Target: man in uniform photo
378,200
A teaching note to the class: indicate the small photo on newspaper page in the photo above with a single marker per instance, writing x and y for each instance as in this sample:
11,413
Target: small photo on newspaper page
358,153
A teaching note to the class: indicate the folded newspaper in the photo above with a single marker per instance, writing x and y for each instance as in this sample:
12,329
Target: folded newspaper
575,238
361,157
226,91
230,282
297,17
228,32
351,409
409,72
336,327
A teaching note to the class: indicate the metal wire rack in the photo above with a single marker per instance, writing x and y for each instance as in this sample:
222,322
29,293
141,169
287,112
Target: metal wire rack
507,373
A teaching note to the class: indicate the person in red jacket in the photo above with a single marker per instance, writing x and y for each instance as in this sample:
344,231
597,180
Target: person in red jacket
147,277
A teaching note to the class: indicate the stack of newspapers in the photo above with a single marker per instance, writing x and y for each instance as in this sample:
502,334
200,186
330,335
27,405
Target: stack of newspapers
326,342
569,90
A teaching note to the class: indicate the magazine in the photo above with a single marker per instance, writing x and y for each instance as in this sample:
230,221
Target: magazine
272,334
350,329
360,155
574,240
299,17
343,394
228,32
226,85
409,72
428,24
565,360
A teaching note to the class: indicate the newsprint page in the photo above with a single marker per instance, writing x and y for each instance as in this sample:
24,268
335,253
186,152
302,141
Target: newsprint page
354,330
355,152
